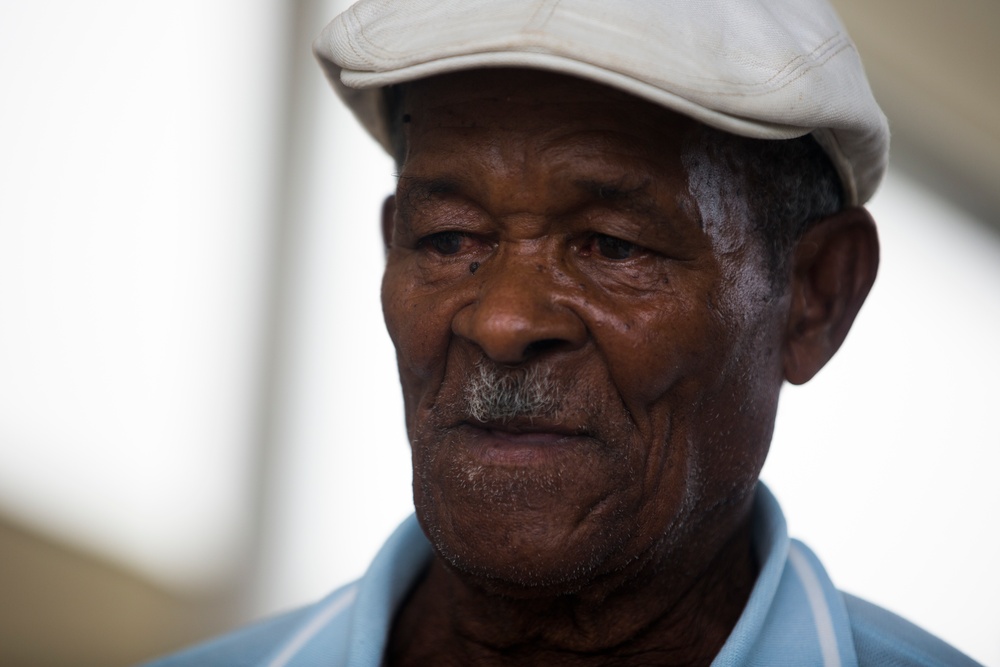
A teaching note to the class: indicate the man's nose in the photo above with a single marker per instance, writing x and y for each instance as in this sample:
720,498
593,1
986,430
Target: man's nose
520,312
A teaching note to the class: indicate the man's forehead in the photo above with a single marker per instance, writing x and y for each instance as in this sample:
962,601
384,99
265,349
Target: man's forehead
557,131
566,112
567,140
540,89
520,84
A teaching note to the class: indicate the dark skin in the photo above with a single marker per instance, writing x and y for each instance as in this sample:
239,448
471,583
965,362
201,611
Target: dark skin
544,220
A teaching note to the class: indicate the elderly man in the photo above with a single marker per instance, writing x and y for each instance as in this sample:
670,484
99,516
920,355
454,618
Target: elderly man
619,228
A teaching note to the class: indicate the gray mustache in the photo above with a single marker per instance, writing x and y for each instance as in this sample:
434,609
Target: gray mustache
501,395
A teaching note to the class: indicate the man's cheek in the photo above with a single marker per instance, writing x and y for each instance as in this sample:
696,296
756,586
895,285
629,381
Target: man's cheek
673,352
418,326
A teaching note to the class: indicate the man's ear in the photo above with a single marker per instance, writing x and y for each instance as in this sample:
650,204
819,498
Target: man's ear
388,213
833,269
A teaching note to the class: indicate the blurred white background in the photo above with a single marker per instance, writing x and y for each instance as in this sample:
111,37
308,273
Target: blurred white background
195,384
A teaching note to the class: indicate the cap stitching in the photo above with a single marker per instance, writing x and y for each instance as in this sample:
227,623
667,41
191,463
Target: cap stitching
801,57
834,45
366,57
811,66
537,21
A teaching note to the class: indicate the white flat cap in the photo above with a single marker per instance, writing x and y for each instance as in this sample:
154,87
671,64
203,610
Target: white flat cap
767,69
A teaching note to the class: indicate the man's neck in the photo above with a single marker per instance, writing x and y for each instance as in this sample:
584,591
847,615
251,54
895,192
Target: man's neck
663,615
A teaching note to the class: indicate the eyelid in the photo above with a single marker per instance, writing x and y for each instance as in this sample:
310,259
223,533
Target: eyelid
653,235
428,239
632,249
469,244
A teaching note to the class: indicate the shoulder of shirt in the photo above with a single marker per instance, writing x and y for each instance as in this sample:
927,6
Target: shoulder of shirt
883,639
251,645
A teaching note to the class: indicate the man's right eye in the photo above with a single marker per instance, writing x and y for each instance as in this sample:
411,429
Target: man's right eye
443,243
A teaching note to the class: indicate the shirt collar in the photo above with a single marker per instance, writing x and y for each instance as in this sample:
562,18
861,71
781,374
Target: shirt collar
794,615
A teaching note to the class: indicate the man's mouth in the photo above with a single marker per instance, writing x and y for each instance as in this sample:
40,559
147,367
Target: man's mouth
518,417
526,426
520,441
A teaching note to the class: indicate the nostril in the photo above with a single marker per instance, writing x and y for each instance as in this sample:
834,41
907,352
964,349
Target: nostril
540,346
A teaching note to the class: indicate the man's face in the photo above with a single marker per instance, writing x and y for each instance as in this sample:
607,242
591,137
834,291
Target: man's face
588,343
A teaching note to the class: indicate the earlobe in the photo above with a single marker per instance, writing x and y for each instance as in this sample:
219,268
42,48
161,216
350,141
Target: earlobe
388,214
833,269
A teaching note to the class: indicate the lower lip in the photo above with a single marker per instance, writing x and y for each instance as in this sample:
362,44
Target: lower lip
505,448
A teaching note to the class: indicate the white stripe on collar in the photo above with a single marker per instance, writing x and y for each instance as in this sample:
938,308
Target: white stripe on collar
817,602
312,628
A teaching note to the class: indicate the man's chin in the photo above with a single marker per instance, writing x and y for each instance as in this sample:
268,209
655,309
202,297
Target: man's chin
517,529
529,562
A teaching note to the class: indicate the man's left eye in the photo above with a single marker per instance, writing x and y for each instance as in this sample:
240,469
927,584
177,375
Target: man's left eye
613,248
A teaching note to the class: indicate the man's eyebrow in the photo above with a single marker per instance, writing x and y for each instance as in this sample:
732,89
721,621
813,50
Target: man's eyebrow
631,196
619,190
415,191
418,187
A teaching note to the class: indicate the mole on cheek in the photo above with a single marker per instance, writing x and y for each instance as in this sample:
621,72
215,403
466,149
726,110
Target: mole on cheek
473,267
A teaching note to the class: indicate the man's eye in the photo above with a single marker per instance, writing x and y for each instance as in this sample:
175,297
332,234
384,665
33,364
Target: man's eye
613,248
444,243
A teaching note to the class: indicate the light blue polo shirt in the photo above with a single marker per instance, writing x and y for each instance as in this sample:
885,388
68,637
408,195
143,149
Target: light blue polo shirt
794,617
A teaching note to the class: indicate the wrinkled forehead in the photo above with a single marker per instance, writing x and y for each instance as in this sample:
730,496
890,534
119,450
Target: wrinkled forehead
477,123
536,87
486,109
